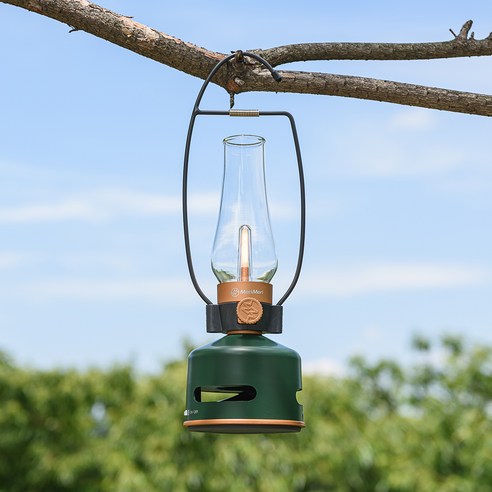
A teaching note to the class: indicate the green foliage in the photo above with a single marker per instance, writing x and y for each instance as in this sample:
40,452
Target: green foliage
382,427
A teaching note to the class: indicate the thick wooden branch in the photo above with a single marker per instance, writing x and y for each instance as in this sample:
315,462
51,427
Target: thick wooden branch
380,90
193,60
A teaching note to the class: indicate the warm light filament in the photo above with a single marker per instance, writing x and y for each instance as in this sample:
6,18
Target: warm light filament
244,252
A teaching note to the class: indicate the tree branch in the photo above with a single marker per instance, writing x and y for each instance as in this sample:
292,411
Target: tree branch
249,76
382,90
460,46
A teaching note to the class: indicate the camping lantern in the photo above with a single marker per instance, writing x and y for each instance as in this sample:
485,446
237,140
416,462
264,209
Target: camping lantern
243,382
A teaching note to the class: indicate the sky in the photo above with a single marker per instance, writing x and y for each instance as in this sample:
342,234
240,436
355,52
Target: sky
92,264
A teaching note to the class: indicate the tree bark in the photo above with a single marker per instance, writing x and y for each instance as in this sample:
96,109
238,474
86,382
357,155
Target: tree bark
249,76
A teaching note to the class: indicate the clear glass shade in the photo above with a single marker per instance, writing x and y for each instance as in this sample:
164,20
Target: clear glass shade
244,249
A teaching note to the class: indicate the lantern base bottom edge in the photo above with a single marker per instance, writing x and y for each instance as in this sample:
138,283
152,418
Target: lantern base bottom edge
244,426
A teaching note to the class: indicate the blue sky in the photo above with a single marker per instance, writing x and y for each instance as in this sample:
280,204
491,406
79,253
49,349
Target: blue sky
92,267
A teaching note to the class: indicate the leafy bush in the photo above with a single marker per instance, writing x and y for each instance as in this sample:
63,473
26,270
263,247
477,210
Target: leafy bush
381,427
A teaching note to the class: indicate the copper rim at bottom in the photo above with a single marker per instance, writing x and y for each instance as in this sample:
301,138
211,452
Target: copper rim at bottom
292,423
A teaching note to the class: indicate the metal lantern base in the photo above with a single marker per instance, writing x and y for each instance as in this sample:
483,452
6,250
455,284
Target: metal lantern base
243,384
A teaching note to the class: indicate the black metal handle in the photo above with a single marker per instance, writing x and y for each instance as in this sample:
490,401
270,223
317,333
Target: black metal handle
196,112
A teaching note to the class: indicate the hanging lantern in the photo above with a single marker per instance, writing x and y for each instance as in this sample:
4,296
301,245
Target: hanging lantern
243,382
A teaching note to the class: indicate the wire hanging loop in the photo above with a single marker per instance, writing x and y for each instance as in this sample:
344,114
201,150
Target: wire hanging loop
239,57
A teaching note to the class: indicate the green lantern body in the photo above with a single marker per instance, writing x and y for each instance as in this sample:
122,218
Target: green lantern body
253,382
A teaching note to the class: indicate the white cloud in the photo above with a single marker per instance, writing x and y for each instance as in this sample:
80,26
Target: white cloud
65,210
153,290
336,282
103,205
323,367
390,277
101,261
414,119
408,144
387,157
372,333
11,260
109,204
283,210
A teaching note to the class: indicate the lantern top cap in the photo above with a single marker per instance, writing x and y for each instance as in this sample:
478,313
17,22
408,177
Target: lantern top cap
244,140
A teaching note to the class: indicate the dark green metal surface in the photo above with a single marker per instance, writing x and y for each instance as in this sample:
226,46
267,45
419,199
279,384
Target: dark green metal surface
240,362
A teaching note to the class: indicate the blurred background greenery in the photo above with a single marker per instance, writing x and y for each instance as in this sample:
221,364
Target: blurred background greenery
378,427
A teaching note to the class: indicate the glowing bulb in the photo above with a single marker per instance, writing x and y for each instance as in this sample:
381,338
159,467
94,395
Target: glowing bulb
244,252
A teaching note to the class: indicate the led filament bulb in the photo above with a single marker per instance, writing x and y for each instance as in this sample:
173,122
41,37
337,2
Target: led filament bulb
244,249
244,253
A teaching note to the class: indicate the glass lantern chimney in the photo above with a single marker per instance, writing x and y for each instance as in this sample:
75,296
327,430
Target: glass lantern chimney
244,249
